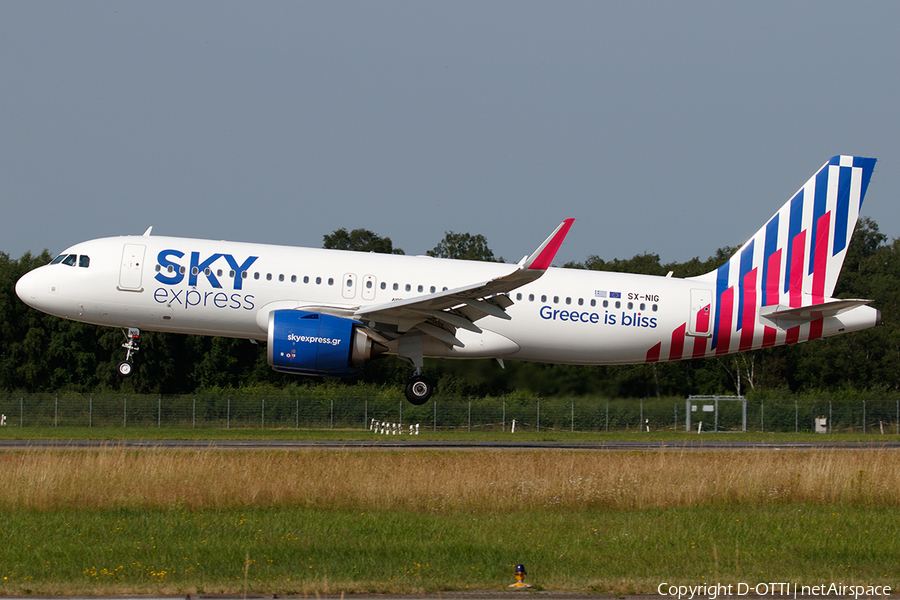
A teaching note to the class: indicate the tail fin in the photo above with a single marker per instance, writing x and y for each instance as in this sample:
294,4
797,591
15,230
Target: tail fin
794,259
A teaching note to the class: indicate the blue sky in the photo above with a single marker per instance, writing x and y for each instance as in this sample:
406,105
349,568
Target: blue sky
667,127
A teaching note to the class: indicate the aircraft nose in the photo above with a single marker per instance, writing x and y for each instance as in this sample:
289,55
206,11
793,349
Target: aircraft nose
26,288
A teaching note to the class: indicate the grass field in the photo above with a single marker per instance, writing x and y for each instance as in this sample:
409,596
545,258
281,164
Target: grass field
166,522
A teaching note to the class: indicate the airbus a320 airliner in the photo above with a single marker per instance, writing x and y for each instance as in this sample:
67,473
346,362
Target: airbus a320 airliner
325,312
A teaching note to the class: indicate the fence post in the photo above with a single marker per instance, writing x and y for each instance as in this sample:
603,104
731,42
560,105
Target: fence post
607,415
539,413
366,414
262,411
641,421
796,416
228,414
125,411
21,411
470,414
91,411
503,422
830,427
158,411
332,412
434,426
762,415
572,400
194,413
864,416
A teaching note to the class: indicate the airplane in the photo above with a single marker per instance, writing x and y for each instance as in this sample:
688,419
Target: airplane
326,312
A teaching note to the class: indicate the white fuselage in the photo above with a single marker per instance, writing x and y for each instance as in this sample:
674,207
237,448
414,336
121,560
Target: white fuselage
196,286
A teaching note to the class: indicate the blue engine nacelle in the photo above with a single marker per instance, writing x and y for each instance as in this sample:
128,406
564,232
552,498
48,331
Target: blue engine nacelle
308,343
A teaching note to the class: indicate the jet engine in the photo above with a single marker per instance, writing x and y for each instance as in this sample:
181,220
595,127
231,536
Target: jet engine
308,343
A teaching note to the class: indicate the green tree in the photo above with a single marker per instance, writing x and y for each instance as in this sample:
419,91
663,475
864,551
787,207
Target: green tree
359,240
463,246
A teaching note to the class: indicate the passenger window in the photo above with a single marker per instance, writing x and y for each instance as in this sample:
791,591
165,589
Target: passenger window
206,272
231,274
244,274
531,297
605,303
182,270
330,281
256,275
408,287
396,287
643,306
618,304
306,279
368,285
268,277
84,261
593,302
195,271
318,281
581,302
70,260
158,267
420,288
383,285
518,296
219,273
349,283
555,299
568,301
433,289
654,308
281,277
543,298
293,279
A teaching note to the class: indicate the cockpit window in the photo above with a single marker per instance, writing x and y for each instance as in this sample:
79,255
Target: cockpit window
58,259
84,261
70,260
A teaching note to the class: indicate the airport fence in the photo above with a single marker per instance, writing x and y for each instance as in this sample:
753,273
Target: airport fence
441,413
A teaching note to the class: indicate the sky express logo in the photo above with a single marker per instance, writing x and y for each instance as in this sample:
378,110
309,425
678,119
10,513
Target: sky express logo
172,272
198,267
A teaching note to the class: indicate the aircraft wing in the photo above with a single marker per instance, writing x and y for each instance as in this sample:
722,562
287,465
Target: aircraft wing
439,315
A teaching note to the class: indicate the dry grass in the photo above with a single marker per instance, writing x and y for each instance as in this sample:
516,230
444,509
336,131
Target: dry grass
429,481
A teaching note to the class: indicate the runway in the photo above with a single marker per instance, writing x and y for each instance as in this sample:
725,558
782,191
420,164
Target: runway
407,444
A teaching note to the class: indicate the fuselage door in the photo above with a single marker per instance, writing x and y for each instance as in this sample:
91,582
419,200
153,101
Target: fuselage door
368,290
349,286
700,319
132,269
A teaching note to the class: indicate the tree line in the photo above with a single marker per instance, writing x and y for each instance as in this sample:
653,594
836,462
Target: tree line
43,353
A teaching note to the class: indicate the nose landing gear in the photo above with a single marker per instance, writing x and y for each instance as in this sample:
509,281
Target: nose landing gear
132,342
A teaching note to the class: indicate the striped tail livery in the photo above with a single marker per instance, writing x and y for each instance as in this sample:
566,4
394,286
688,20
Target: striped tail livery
777,287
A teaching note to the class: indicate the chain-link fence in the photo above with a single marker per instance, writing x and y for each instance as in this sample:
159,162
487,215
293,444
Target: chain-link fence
359,412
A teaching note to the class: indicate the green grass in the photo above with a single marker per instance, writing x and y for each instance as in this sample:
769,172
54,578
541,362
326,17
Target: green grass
425,434
306,551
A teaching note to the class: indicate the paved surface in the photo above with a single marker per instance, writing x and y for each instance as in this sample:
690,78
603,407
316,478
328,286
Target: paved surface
392,443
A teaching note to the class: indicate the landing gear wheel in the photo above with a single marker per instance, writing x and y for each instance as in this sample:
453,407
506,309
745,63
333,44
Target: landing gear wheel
419,389
125,368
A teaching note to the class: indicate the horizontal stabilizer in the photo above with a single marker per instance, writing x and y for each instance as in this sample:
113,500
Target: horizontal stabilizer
792,316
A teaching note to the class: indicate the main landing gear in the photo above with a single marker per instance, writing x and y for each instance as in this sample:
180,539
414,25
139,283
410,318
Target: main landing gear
132,342
419,388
